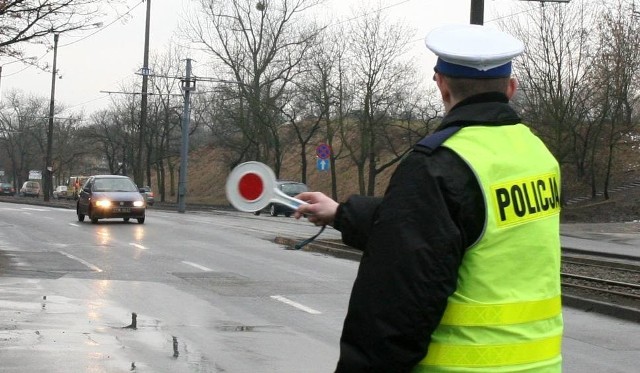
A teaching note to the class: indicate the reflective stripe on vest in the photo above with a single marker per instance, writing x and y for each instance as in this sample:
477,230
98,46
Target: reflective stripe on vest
501,314
493,355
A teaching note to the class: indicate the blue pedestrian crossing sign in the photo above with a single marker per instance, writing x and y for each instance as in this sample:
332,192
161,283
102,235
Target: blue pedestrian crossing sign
322,164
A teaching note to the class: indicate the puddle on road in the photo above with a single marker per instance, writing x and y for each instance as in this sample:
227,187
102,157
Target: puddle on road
37,329
248,328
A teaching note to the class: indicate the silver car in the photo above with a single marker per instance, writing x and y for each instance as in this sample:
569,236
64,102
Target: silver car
110,197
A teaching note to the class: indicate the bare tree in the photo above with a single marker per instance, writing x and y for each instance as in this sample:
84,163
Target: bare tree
163,132
615,87
22,120
381,77
553,96
578,82
259,46
320,88
30,21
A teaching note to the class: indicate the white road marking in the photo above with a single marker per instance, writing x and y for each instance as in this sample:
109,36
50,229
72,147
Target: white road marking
203,268
96,269
295,304
138,246
34,209
74,224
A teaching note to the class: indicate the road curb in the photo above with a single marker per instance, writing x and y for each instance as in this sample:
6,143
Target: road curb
608,309
324,247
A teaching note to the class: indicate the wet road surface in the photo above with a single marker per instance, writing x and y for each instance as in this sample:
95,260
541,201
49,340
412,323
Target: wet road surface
208,295
210,292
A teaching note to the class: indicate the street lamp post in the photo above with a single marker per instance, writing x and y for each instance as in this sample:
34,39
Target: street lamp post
48,163
138,174
477,12
188,85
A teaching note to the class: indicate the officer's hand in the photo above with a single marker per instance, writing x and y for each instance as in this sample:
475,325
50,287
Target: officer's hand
321,210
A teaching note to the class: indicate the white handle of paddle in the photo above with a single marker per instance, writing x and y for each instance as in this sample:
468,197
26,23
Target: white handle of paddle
283,199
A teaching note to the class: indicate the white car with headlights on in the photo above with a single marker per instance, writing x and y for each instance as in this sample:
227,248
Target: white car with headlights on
110,197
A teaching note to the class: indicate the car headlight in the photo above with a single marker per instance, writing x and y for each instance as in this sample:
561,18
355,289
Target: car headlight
138,203
103,203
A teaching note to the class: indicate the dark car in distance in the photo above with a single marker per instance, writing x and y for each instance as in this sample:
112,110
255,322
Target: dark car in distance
110,197
147,193
290,188
7,189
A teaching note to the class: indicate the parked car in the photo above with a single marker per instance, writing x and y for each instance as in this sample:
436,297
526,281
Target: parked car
61,191
110,197
147,193
7,189
30,189
290,188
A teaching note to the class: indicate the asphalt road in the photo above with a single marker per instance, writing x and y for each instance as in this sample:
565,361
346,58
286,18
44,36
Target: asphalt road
211,293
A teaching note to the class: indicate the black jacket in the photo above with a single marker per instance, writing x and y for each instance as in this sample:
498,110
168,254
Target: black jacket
413,240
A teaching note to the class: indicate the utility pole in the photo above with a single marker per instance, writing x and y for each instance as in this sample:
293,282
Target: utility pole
48,187
477,12
187,87
138,173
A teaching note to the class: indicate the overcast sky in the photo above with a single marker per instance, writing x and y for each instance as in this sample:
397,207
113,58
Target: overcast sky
111,56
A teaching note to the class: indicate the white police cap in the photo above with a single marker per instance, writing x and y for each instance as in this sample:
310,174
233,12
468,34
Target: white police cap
473,51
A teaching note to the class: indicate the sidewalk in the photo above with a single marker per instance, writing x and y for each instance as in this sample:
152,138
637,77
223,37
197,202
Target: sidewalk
622,239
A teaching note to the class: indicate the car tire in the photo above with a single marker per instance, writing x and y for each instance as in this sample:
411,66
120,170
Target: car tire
126,220
256,213
94,220
287,214
272,210
140,220
80,216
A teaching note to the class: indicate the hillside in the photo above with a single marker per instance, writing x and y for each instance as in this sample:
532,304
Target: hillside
208,173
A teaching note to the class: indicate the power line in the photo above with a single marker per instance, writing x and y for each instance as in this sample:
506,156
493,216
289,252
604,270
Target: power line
34,64
103,28
140,93
29,65
369,13
88,102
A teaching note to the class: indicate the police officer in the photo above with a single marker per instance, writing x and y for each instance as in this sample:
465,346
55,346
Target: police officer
461,257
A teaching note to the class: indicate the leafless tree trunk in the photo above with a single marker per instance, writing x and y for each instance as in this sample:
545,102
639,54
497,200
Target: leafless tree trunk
382,77
164,132
259,47
615,69
553,95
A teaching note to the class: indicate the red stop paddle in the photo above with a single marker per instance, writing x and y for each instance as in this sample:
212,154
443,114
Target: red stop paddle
251,186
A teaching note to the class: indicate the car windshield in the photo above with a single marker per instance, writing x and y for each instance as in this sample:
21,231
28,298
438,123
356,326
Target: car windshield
294,188
114,185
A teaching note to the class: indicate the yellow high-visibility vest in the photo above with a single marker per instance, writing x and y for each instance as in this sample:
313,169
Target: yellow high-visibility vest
505,315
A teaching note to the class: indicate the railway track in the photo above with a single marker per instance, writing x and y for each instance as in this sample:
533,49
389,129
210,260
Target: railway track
602,284
590,282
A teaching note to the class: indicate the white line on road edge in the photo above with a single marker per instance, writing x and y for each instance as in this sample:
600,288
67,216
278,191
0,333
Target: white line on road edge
74,224
198,266
296,305
138,246
81,261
